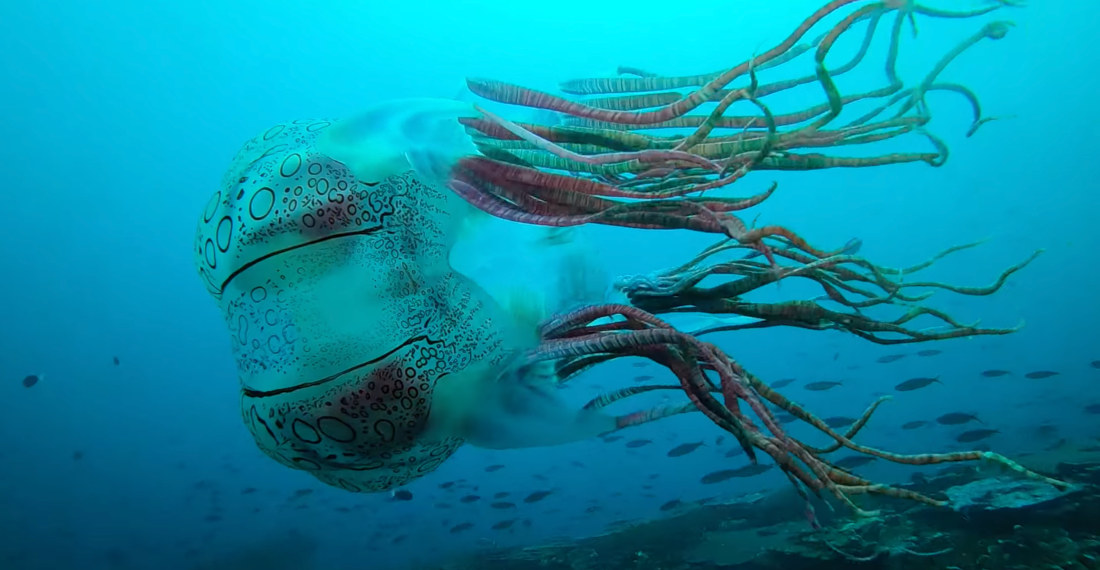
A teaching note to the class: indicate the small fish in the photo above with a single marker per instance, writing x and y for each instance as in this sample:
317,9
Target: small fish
501,495
1092,409
957,418
836,355
785,418
1056,445
248,490
683,449
671,505
975,435
399,539
851,247
593,509
402,495
115,360
636,443
503,505
30,380
821,386
78,455
726,474
447,484
1095,364
916,384
914,424
212,518
504,524
536,496
889,358
639,364
1040,374
492,468
839,421
469,499
1046,430
735,452
929,352
718,440
642,378
853,461
442,505
995,373
461,527
784,382
298,494
955,469
577,464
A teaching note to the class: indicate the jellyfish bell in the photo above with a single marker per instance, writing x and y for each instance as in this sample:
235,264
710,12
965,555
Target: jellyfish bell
364,356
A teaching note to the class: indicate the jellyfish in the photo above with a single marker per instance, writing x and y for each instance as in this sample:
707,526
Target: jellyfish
367,354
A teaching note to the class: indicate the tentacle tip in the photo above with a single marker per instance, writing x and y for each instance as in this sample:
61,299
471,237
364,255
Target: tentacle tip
998,30
477,82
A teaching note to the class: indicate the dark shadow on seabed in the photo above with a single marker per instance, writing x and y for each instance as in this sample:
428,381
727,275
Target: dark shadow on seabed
1001,523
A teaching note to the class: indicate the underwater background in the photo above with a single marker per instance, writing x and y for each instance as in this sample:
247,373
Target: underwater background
119,119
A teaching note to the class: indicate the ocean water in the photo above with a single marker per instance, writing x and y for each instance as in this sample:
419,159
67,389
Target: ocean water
120,118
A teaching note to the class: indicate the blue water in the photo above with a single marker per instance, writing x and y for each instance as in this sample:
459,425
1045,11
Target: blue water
119,119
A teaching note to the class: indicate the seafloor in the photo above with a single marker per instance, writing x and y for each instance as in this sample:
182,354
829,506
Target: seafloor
995,522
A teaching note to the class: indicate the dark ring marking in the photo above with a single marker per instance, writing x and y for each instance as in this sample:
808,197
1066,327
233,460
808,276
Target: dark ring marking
430,465
273,132
291,163
242,329
272,151
224,233
335,429
305,432
306,464
348,485
212,207
261,203
385,430
208,252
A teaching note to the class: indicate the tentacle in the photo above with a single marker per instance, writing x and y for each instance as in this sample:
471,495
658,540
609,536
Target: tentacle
584,333
621,160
